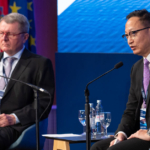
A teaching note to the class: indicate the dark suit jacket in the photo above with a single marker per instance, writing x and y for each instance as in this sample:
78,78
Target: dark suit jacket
19,98
130,121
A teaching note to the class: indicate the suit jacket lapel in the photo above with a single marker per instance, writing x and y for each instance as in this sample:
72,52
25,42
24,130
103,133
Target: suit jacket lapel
19,69
148,96
139,84
140,75
1,55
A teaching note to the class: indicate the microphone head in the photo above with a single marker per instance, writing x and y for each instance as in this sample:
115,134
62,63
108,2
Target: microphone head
118,65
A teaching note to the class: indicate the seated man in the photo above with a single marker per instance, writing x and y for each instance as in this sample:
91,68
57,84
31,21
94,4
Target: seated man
17,110
128,136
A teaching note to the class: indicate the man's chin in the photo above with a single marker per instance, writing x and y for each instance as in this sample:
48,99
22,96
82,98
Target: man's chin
136,52
5,50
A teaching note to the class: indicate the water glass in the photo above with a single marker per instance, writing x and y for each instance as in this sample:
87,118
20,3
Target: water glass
82,118
105,119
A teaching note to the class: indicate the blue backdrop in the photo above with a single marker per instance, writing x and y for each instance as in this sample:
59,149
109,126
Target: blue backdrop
93,26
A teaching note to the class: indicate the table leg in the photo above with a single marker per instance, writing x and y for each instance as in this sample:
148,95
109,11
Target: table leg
61,145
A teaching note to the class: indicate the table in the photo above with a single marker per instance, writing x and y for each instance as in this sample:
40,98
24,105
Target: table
62,143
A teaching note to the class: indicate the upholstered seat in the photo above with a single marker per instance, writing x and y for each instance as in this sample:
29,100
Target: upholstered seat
27,140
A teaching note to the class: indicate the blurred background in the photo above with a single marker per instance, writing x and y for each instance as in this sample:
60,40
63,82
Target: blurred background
83,40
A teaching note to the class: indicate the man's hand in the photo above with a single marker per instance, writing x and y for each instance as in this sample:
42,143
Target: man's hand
120,137
7,120
141,134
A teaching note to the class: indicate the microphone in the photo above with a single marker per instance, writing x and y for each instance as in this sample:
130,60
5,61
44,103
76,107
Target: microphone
28,84
118,65
87,112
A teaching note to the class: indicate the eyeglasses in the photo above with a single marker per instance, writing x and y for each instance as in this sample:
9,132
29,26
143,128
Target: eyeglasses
10,35
132,34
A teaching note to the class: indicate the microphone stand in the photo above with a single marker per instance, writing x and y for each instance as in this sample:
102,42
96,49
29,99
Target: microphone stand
87,107
88,131
87,112
37,118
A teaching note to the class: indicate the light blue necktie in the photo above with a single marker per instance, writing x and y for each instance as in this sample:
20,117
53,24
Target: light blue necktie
7,70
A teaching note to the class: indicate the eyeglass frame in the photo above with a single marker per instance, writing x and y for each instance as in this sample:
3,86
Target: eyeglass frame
8,34
124,36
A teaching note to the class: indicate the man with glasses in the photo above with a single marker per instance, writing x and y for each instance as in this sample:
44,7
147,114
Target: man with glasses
129,136
17,103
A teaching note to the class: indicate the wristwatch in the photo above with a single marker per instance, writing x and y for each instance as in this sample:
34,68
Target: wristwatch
148,131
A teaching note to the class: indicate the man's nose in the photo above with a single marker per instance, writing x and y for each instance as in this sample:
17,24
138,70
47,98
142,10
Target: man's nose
5,36
130,40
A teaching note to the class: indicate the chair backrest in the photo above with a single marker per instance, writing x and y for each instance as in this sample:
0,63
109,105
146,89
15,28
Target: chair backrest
27,140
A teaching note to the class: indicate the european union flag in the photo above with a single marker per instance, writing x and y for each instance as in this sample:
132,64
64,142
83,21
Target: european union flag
25,7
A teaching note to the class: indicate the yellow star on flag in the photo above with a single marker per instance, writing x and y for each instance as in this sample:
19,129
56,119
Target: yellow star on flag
29,6
32,40
30,22
14,8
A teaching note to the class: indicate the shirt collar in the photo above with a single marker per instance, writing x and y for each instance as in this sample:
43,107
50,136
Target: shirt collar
148,57
17,55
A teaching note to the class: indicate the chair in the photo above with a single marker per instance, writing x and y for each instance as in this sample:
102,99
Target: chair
27,140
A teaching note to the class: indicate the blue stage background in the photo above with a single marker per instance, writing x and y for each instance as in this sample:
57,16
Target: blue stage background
93,26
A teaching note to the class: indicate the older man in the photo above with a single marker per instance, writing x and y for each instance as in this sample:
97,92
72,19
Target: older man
17,100
128,136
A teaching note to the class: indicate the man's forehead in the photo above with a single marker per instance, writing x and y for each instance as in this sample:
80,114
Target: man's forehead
8,23
133,22
12,26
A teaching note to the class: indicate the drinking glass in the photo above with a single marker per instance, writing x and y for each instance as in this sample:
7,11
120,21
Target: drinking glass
105,119
93,128
82,117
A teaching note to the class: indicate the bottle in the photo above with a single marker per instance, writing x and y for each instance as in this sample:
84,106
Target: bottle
93,128
99,108
91,113
92,119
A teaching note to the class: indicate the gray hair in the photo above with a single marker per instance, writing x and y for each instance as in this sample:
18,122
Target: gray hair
16,17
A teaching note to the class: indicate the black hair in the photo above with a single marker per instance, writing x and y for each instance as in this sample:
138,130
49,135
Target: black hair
144,16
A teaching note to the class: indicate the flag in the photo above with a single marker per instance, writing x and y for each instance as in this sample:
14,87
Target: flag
25,7
3,9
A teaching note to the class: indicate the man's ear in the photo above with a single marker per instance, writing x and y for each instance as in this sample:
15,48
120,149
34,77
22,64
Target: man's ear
26,36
